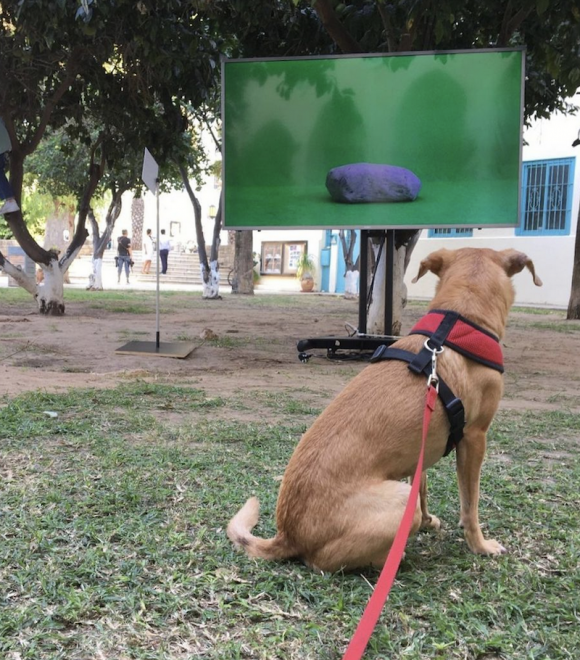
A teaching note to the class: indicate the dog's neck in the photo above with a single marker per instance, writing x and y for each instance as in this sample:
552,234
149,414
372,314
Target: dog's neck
492,317
479,290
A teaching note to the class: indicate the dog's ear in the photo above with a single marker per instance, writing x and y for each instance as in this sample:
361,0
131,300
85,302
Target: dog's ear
434,262
514,262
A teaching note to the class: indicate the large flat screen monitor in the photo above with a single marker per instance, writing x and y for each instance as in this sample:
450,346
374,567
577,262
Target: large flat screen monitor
373,141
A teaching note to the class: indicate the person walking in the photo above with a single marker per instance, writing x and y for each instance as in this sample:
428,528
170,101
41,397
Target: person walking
148,250
6,191
164,248
124,252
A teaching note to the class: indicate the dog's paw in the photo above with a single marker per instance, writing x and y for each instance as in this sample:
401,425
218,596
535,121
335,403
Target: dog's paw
432,522
491,547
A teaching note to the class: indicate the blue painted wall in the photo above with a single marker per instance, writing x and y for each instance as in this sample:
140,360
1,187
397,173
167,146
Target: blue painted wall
331,238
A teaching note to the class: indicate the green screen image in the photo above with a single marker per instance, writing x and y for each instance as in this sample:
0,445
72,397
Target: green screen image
452,119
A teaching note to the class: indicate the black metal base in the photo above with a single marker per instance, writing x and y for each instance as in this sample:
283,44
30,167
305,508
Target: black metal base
172,349
362,345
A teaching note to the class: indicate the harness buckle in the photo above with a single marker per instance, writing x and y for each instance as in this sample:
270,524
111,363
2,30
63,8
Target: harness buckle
378,354
456,416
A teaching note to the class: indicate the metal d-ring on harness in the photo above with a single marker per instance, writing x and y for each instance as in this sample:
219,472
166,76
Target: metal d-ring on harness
433,379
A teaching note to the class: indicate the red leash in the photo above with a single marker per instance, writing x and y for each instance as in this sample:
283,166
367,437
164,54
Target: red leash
370,616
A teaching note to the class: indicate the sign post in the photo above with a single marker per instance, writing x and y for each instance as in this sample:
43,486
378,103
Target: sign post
150,177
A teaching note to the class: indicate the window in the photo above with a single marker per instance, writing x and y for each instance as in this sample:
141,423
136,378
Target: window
281,258
451,232
546,197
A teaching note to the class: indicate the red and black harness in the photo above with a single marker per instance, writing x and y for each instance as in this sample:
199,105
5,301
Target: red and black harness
446,328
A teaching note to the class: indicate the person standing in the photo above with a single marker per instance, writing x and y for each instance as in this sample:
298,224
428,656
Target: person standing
123,255
6,191
147,252
164,248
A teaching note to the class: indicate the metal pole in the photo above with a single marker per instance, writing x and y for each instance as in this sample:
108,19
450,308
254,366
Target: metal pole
157,332
389,284
363,281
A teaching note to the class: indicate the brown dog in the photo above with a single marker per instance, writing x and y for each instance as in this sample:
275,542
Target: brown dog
342,498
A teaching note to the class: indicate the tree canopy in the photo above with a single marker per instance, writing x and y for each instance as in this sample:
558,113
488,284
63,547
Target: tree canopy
121,68
119,76
134,67
550,31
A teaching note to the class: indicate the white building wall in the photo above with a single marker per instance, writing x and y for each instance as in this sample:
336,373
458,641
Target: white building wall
552,255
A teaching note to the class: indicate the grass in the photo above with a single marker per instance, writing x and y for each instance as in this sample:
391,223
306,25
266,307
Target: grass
134,301
112,518
569,328
541,311
229,342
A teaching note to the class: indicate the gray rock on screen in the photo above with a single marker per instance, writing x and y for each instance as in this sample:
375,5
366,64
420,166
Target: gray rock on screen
370,182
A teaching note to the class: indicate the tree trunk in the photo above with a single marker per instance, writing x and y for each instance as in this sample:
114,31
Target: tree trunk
17,157
574,303
96,276
137,220
243,278
211,281
100,242
48,293
210,275
405,241
351,278
62,221
50,296
211,288
376,313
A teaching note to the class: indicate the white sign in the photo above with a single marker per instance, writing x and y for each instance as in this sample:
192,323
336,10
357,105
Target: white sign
150,172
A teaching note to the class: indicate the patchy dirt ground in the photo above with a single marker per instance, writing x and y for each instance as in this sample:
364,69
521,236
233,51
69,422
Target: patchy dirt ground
255,347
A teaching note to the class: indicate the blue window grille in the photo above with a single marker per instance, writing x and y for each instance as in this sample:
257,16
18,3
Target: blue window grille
547,190
451,232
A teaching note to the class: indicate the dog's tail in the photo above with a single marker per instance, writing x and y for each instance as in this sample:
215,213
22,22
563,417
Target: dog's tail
239,532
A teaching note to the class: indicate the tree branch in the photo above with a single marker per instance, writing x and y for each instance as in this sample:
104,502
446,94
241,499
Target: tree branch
511,25
24,238
335,28
201,251
209,127
66,82
20,276
386,19
408,39
113,212
348,247
81,233
95,230
217,227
